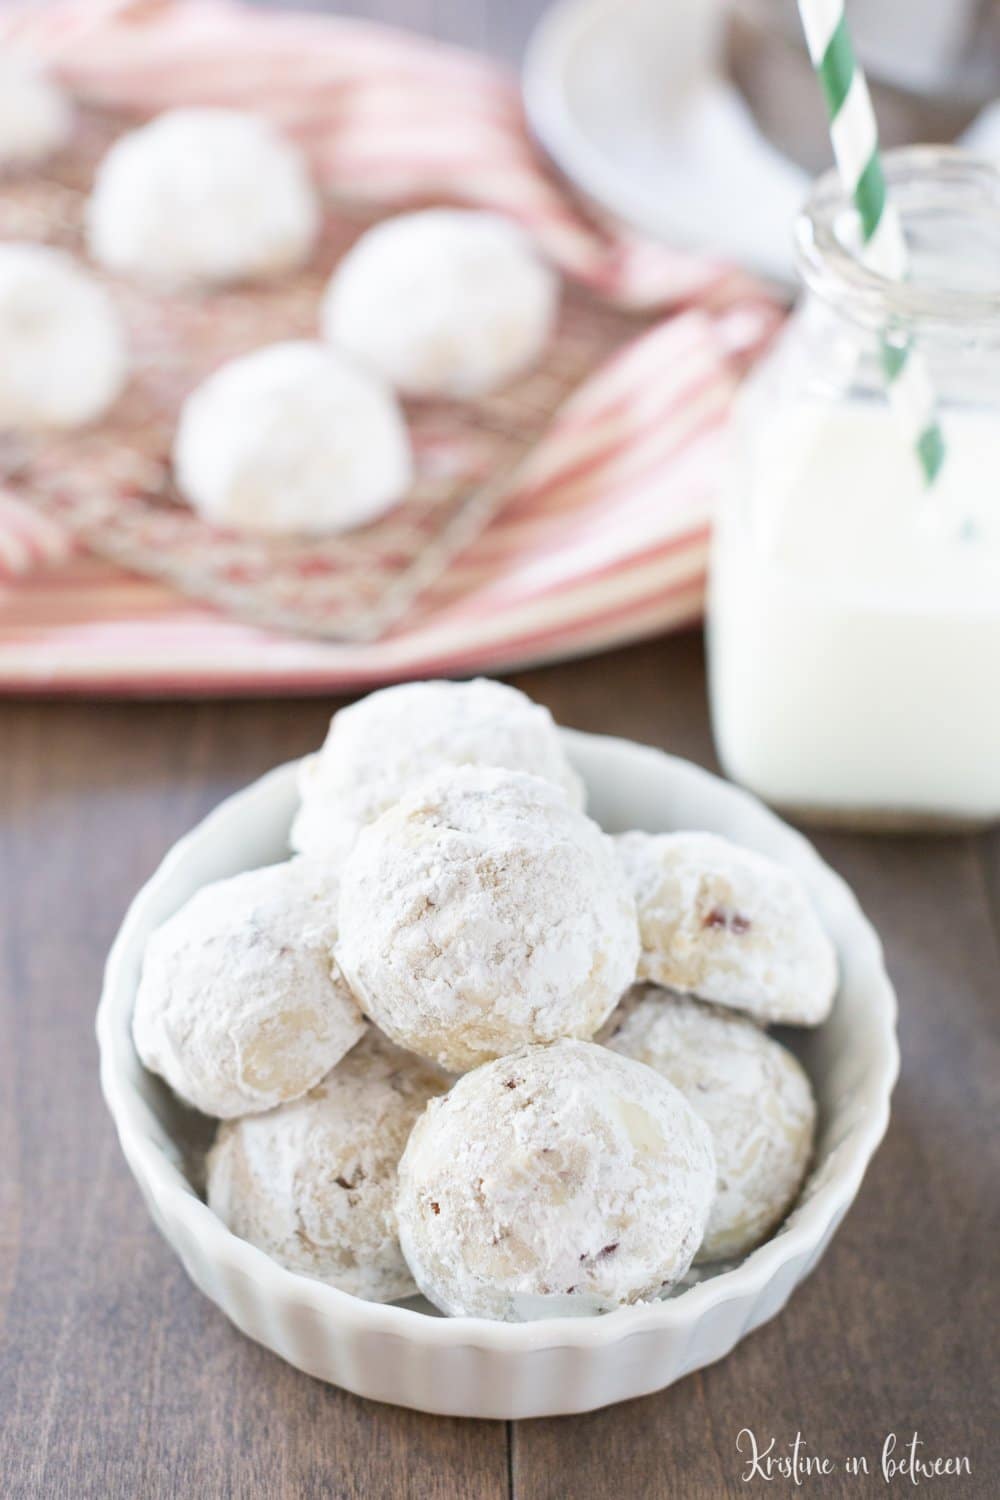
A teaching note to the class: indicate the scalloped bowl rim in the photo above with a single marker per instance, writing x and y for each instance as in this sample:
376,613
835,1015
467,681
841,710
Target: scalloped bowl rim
141,1134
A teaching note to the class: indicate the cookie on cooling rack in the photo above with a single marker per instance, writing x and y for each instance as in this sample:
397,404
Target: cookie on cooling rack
63,356
36,117
202,195
292,439
445,302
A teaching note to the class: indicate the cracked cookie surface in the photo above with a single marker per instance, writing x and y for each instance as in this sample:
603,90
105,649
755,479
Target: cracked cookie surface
313,1183
241,1006
559,1181
379,748
751,1092
483,913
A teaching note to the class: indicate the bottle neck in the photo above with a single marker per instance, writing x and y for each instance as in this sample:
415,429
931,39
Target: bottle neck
848,354
949,206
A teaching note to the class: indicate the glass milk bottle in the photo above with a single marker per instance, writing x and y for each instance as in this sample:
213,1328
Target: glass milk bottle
854,614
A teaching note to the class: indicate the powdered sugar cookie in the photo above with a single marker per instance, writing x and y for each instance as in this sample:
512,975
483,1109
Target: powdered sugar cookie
382,745
483,912
727,924
203,195
36,118
561,1180
240,1006
444,302
292,438
313,1183
63,355
750,1091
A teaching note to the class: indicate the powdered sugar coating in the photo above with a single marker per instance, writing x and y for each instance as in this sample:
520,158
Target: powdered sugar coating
443,302
482,912
313,1183
292,438
36,117
381,746
240,1006
730,925
752,1094
204,195
63,355
559,1181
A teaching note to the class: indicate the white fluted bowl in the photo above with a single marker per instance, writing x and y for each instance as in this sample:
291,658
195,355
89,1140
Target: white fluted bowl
468,1366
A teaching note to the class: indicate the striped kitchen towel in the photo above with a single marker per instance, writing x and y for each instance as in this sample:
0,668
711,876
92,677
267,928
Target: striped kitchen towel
603,536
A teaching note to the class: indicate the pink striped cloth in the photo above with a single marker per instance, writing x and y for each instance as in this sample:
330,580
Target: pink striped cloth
603,536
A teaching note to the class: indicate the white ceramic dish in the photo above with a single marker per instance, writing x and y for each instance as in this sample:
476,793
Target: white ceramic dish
466,1366
630,102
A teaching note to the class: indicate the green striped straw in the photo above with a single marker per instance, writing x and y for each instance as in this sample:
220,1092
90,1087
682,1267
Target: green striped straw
854,134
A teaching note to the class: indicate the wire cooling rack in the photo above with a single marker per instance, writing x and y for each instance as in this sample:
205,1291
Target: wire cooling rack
112,486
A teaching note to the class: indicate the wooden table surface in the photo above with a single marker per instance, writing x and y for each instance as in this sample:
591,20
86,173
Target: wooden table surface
117,1379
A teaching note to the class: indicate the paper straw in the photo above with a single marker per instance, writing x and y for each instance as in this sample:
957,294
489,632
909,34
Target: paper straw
854,134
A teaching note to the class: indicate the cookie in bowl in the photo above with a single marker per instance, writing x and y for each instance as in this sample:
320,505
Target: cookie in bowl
728,924
750,1090
560,1181
240,1006
481,913
379,747
313,1183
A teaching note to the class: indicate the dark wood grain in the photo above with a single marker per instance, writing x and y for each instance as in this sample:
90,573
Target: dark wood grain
889,1335
118,1380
